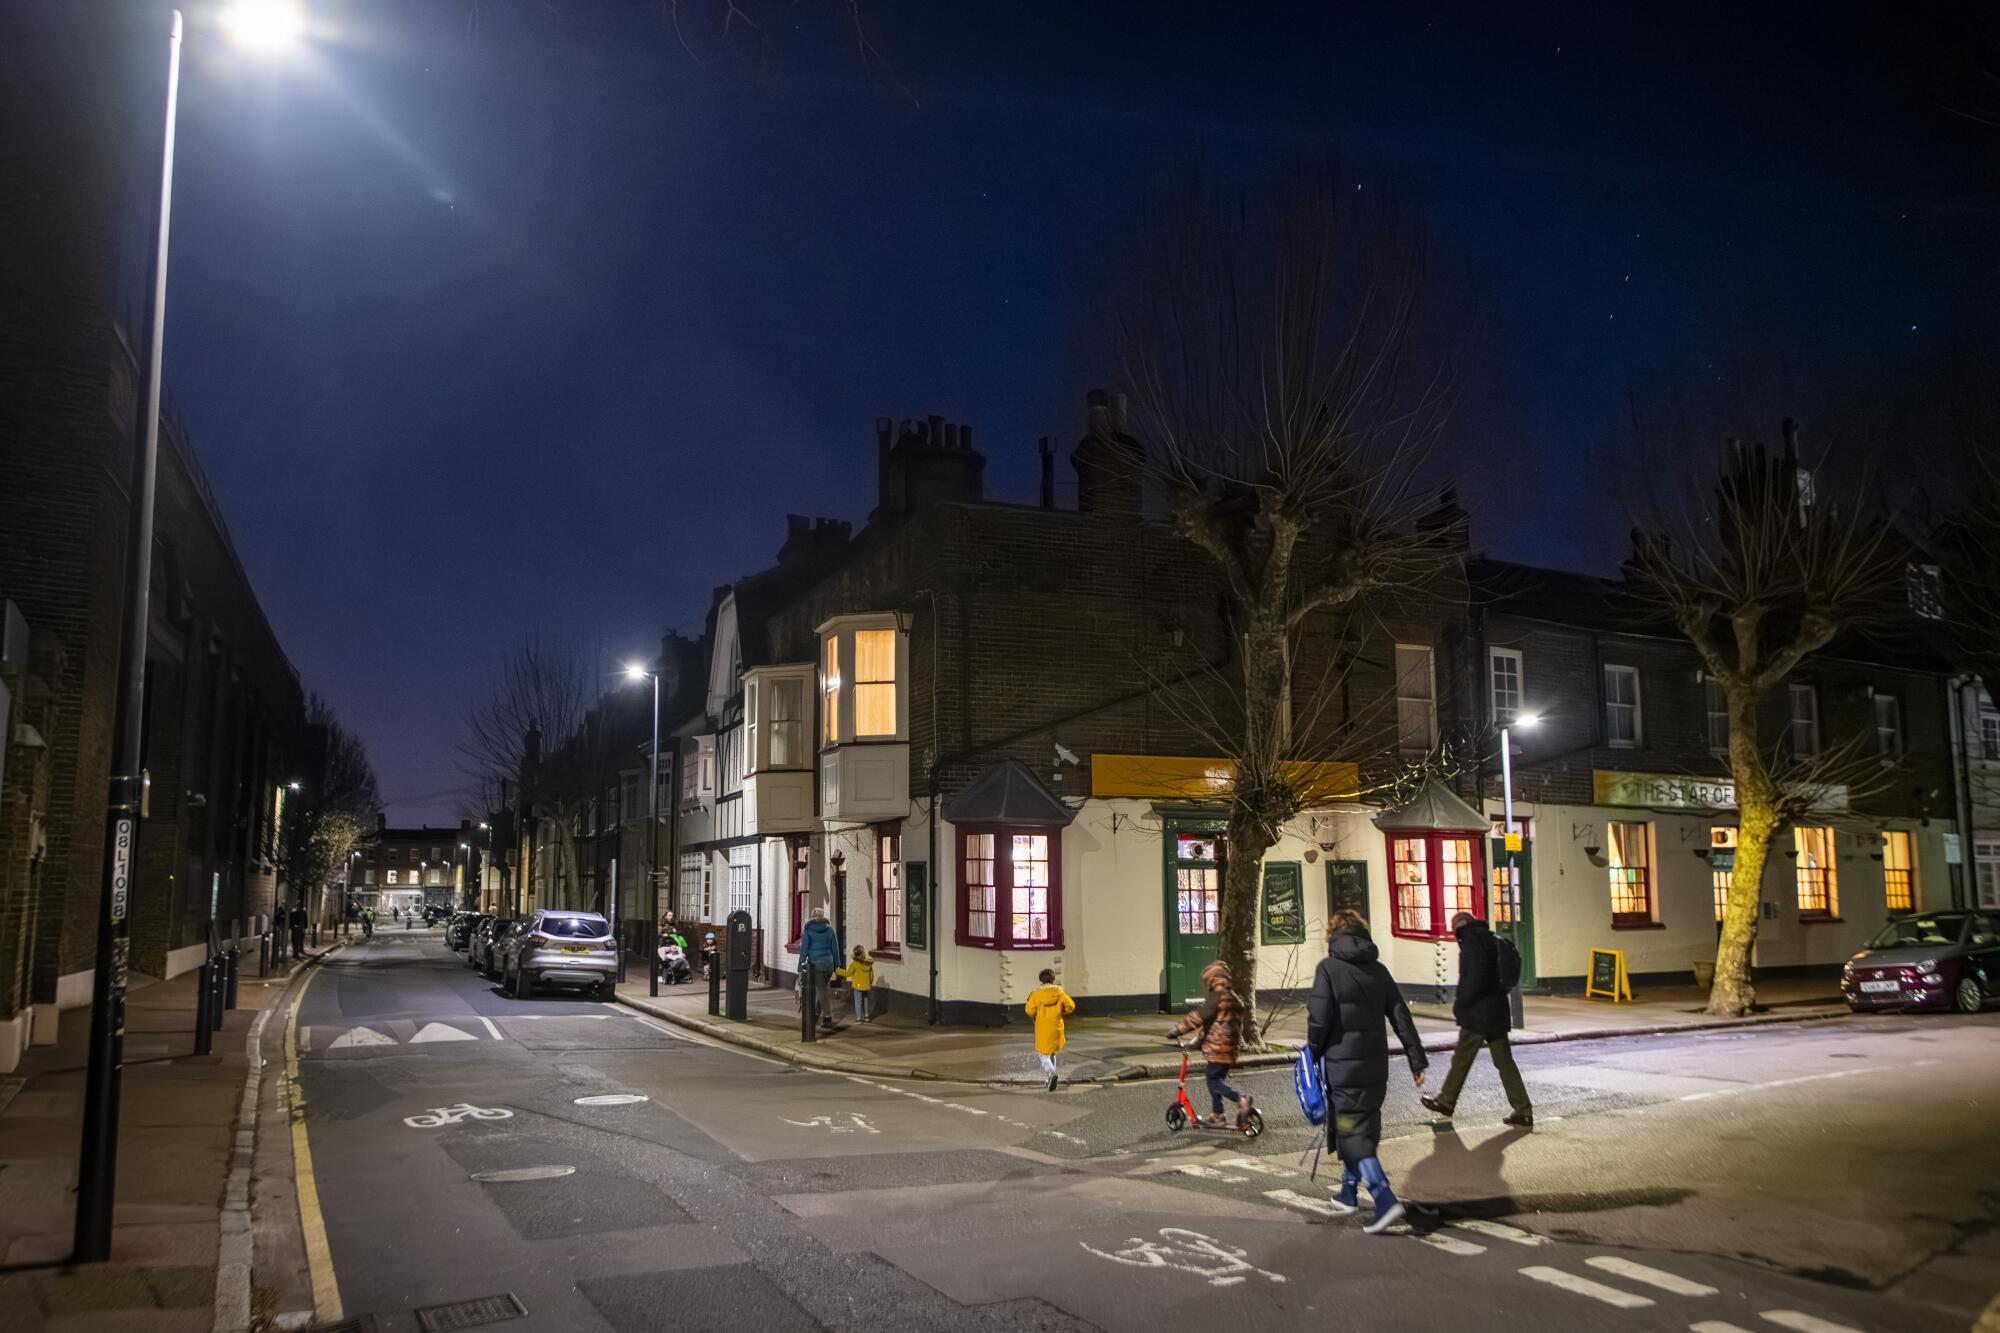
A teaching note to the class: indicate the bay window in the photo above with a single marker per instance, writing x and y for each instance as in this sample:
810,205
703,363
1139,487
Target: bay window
1432,877
1010,887
889,890
784,723
874,682
863,660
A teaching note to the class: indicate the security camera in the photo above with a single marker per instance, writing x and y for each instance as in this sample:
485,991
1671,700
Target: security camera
1064,755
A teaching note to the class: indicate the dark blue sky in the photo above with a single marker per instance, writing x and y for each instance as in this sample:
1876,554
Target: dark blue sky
503,315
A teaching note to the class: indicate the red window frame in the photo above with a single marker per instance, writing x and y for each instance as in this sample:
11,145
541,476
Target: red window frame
801,889
1432,845
888,864
1003,887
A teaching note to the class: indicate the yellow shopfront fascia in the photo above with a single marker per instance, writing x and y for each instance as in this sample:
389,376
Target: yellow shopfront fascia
1193,778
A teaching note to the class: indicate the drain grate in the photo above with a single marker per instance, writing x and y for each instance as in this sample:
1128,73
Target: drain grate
472,1313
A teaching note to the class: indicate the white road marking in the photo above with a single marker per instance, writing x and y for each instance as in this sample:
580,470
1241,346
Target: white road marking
440,1032
1306,1204
662,1027
1716,1326
1181,1250
856,1122
513,1173
1583,1286
451,1115
1651,1277
1806,1323
1500,1231
1200,1172
1258,1165
489,1027
1451,1244
1804,1078
612,1099
361,1037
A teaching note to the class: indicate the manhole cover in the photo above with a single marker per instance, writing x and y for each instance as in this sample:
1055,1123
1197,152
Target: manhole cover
473,1313
612,1099
514,1173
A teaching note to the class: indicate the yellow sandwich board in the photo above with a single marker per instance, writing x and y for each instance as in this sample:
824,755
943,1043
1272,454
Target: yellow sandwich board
1607,976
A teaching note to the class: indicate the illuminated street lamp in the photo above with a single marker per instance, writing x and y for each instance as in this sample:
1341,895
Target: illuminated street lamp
1511,836
265,25
635,673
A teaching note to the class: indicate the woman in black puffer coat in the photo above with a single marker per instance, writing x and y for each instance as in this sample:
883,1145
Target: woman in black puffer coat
1351,997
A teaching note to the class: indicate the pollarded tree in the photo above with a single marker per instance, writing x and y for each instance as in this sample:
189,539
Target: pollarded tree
545,688
1762,571
1284,404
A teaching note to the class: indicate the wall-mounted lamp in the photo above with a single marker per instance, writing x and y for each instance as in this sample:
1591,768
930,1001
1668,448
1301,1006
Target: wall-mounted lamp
1595,857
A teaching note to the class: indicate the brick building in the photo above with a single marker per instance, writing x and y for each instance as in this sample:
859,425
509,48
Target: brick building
403,869
224,705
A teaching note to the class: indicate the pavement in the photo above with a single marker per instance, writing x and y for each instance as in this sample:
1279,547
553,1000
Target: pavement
1131,1046
560,1163
177,1147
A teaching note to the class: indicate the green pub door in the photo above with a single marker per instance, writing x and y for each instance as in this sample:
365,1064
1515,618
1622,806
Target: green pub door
1195,856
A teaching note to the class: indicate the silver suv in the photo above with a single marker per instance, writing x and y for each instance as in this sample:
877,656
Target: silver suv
572,949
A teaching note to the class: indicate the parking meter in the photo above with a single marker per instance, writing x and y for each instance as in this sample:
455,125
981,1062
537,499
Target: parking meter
736,952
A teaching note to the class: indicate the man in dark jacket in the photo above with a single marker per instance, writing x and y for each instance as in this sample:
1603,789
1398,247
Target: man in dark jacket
1352,995
1482,1013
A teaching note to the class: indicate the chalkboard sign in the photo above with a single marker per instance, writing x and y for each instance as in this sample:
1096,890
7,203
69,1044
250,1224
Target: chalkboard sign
1347,887
1284,903
916,905
1607,976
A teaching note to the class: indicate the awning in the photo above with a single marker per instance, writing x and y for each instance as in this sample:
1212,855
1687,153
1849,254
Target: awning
1009,795
1435,809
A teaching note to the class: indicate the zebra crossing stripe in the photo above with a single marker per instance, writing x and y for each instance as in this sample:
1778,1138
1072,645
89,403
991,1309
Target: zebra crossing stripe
1583,1286
1305,1204
1805,1323
1500,1231
1437,1240
1651,1277
1716,1326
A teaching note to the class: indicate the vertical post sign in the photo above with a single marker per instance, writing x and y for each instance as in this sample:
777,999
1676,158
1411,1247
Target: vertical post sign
121,894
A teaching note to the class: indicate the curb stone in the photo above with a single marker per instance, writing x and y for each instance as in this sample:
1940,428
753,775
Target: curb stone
800,1055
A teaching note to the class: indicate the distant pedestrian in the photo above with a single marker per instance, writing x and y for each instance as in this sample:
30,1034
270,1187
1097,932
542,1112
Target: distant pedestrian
297,919
1047,1004
368,923
859,974
1352,994
819,950
1220,1021
1481,1009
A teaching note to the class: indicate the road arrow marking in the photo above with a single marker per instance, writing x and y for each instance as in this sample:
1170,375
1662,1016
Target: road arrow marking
1651,1277
1583,1286
361,1037
439,1032
1500,1231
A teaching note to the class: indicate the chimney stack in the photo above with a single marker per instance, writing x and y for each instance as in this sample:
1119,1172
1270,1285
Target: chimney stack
1048,451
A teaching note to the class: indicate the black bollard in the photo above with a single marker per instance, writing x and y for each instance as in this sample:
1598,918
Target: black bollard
808,1001
715,987
264,951
203,994
215,992
229,978
624,941
652,934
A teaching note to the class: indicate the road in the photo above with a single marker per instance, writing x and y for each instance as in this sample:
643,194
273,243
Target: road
1814,1178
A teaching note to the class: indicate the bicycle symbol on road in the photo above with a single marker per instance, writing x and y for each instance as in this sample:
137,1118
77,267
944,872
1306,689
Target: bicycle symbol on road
1187,1252
451,1115
857,1122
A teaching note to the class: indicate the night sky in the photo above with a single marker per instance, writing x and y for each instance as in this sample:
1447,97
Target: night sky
501,315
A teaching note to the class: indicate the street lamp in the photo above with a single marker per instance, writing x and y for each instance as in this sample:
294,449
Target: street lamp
635,673
1511,836
97,1158
263,25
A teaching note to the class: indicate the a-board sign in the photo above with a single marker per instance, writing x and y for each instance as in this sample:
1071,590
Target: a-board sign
916,905
1607,976
1284,903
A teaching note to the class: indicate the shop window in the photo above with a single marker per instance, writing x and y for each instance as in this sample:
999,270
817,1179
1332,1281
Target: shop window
1628,849
1432,877
1011,887
888,890
1818,880
1899,890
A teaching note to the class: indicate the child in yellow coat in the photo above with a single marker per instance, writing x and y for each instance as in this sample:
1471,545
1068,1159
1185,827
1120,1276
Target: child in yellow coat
860,975
1046,1005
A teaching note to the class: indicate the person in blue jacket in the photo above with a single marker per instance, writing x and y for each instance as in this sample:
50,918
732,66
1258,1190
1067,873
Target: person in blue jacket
819,948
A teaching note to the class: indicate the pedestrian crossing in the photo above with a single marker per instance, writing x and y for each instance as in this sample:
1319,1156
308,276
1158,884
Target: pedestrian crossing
323,1038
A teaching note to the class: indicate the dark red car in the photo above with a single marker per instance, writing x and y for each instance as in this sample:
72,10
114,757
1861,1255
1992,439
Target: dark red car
1927,960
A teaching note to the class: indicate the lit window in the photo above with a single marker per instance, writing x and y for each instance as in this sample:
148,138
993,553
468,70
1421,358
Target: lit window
875,682
1721,866
392,877
1413,888
1198,883
1819,890
1716,700
829,696
1012,882
1889,724
1506,686
889,889
1629,852
1621,707
1461,886
1416,701
1805,719
1433,876
1898,886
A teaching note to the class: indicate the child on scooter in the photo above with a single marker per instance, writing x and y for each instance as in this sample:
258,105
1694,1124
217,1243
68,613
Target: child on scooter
1220,1019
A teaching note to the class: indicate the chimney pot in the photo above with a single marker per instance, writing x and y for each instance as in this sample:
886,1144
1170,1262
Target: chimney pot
935,435
965,436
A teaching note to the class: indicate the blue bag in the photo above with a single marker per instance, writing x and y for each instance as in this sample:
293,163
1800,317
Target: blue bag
1309,1086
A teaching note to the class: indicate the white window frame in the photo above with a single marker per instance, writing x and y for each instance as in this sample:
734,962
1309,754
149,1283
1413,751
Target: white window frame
1986,867
1612,705
773,743
835,665
1989,728
1826,840
1410,705
1889,737
743,878
1803,690
1504,712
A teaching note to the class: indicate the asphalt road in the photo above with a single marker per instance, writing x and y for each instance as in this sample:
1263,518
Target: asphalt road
1815,1178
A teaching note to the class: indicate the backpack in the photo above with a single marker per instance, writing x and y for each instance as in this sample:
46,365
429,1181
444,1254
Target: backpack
1309,1086
1510,963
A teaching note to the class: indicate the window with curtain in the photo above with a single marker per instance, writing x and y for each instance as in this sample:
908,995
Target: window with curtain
1461,887
785,722
1721,866
1819,889
1629,851
799,860
1012,887
888,889
1433,876
874,682
1621,706
829,691
1899,890
976,874
1416,700
742,878
1029,908
1410,873
693,906
750,760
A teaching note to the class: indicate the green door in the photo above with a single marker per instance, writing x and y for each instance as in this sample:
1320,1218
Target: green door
1510,906
1195,859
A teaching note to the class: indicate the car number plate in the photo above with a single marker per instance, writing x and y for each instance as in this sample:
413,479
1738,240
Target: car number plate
576,948
1873,987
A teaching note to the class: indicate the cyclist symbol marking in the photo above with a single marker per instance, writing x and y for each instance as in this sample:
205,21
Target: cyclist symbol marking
451,1115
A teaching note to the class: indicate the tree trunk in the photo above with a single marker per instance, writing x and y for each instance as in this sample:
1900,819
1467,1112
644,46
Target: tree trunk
1261,801
1235,945
1733,993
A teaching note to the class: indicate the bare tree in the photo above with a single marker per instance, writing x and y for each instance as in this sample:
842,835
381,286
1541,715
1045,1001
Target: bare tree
334,818
1758,573
1273,363
545,688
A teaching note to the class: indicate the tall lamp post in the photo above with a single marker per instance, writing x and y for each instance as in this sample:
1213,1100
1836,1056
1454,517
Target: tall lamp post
636,673
264,24
1512,835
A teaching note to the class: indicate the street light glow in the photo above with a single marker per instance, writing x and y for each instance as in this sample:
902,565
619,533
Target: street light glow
263,25
1527,720
634,672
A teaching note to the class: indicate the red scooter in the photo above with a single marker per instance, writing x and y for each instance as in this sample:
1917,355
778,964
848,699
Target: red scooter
1182,1115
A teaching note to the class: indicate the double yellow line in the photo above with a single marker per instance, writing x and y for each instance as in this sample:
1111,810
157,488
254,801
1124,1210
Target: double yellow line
319,1257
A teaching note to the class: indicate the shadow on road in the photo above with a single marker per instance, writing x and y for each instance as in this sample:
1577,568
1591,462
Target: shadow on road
1459,1181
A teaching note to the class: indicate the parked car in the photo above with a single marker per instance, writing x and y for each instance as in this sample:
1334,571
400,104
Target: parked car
459,932
480,952
567,949
1927,960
